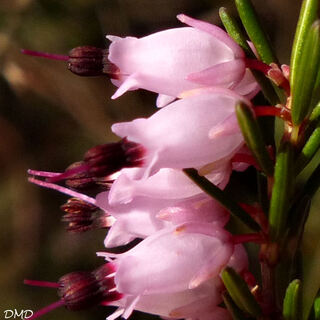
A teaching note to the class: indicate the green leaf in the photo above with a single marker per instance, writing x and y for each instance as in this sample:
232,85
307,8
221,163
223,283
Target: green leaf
234,31
254,30
292,301
315,115
253,137
311,256
313,184
315,98
239,292
235,312
281,192
222,198
306,75
316,308
238,36
308,15
309,149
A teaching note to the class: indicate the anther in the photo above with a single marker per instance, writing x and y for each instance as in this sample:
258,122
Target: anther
82,216
84,61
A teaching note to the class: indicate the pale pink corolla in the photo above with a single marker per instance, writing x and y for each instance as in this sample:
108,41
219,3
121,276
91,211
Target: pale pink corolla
248,86
165,184
184,260
136,219
168,261
144,216
175,60
150,275
198,303
178,136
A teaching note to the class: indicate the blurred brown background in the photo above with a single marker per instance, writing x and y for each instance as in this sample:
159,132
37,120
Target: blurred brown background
49,117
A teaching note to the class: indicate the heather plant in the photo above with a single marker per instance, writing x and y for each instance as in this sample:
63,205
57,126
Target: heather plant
169,191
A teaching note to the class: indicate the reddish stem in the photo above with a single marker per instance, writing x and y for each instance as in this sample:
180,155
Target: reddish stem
37,283
257,65
248,237
246,158
282,112
263,111
46,55
257,215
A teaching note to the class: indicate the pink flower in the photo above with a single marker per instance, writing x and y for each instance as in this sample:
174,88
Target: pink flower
140,270
165,184
145,216
176,60
162,275
198,303
191,132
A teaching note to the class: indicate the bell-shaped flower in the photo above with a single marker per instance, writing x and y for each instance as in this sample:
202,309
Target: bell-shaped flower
168,260
144,216
191,132
198,303
176,60
165,184
248,86
175,272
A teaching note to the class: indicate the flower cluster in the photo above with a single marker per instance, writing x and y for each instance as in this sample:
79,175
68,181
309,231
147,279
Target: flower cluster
200,74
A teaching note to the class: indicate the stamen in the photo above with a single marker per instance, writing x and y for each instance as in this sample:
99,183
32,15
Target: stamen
61,189
69,173
45,55
37,283
47,309
46,174
82,216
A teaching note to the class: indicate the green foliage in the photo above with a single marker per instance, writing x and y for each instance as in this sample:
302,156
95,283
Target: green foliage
292,301
240,293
